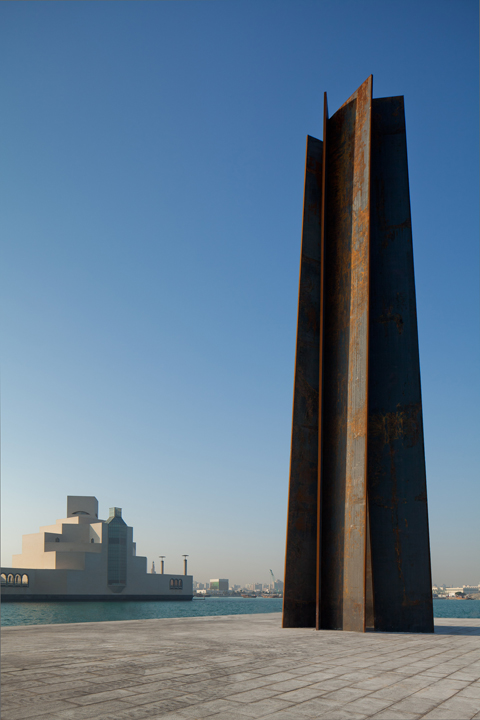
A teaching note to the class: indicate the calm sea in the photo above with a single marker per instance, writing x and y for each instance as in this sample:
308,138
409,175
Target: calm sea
77,612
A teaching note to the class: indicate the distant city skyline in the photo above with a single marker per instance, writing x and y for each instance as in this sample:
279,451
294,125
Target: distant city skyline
152,184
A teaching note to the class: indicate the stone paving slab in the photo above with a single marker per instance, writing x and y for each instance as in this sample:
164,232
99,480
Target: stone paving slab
236,668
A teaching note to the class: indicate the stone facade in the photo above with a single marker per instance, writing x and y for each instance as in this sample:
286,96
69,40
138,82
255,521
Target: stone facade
83,558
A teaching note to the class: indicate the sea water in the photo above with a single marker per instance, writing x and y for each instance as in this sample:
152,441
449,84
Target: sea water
47,613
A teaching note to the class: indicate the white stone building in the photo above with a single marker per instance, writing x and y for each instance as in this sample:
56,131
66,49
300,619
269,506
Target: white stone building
84,558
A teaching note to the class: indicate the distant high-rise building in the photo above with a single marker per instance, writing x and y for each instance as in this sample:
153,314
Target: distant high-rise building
220,584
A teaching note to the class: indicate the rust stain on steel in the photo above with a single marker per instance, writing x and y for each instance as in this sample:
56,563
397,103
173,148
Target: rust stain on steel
299,606
404,423
390,316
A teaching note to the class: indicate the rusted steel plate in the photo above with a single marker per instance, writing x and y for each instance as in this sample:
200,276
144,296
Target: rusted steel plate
357,414
299,605
345,357
318,619
338,228
369,604
396,461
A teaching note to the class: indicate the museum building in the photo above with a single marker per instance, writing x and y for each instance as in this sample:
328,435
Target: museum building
84,558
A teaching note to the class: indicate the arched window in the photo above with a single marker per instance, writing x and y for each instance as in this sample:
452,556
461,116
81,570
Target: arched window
10,579
92,540
4,579
18,579
57,539
176,584
25,579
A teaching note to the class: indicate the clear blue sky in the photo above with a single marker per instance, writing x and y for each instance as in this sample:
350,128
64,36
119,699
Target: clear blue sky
151,196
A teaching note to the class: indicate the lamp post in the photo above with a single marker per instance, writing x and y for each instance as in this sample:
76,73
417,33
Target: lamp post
162,564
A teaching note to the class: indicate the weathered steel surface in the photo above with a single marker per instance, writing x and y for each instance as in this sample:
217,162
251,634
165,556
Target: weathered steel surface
357,538
344,408
396,463
299,605
357,411
338,230
318,618
369,604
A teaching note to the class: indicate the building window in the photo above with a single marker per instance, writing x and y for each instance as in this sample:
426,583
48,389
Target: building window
57,539
176,584
92,540
117,551
16,580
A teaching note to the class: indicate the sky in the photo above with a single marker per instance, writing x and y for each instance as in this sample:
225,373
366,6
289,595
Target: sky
151,201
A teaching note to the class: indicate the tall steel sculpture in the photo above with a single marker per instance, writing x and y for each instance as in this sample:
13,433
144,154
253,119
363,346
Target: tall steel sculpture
357,535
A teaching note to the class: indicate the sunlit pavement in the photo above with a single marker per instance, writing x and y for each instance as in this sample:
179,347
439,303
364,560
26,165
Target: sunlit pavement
238,667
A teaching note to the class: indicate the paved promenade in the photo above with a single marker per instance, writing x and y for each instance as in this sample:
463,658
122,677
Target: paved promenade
235,668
